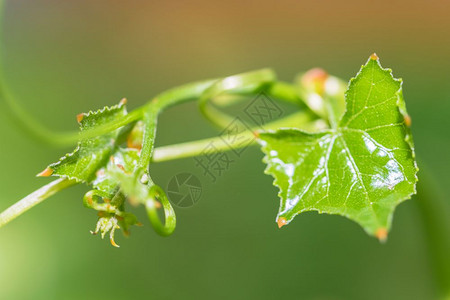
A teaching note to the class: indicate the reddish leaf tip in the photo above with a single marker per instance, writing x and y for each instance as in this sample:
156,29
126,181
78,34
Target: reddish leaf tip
281,222
47,172
374,56
407,120
80,117
381,234
123,101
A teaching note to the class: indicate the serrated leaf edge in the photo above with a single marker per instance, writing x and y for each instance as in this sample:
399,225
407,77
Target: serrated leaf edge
408,139
68,155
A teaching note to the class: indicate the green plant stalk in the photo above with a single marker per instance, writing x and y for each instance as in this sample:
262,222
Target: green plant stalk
436,222
155,192
33,199
166,153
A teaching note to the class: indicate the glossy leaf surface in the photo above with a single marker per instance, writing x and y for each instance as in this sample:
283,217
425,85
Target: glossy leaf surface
362,169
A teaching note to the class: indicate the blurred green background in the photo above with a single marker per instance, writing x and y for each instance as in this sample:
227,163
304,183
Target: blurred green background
66,57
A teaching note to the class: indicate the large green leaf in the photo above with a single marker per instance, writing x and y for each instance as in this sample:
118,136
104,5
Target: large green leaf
362,169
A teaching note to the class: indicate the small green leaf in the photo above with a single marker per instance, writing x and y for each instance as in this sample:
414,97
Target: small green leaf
90,154
362,169
94,161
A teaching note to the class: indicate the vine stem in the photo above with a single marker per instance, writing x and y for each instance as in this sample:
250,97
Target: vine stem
301,120
165,153
33,199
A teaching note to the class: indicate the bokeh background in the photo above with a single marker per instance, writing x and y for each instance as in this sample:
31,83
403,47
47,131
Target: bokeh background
66,57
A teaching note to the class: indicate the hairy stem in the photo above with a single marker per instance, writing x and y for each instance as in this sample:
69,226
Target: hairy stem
34,198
